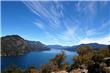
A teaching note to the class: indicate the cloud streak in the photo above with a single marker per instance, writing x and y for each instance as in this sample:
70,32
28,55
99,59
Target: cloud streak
40,25
101,40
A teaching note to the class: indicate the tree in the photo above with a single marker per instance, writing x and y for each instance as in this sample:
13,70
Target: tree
85,55
48,68
82,50
55,64
104,52
109,48
83,59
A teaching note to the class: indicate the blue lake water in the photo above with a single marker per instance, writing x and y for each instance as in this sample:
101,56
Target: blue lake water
34,58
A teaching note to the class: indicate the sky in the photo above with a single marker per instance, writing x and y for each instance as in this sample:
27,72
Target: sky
57,22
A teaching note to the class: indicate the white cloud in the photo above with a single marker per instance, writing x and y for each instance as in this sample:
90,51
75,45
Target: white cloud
40,25
86,7
70,31
102,40
105,25
90,32
98,31
103,3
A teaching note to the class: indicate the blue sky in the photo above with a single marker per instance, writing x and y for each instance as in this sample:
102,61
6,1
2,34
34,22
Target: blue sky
58,22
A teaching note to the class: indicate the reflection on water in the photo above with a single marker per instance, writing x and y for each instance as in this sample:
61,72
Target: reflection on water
55,51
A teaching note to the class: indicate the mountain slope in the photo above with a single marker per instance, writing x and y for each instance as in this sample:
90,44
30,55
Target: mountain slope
37,46
16,45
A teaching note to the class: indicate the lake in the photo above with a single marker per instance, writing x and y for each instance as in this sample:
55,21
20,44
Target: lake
34,58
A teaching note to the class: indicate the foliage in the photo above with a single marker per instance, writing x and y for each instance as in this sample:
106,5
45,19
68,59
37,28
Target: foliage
59,60
83,59
48,68
13,69
82,50
55,64
104,52
85,55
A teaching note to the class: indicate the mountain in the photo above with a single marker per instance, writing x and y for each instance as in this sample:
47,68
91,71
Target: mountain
36,45
59,47
95,46
13,45
16,45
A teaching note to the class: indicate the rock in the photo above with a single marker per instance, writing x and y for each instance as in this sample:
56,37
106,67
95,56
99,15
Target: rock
76,71
60,72
34,71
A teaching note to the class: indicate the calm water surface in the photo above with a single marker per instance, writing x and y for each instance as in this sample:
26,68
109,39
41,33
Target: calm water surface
34,58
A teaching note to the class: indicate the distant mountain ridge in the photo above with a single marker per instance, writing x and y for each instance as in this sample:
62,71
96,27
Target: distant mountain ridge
56,47
73,48
16,45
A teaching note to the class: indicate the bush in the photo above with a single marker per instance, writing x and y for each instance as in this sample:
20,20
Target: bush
82,50
85,55
55,64
13,69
